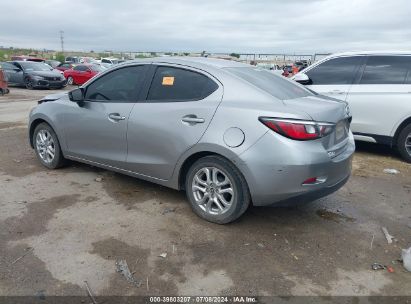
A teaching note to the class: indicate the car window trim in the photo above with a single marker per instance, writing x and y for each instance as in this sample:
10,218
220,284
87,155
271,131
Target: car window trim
139,95
157,65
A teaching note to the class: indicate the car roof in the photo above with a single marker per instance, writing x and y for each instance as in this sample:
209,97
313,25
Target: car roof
24,61
197,62
370,53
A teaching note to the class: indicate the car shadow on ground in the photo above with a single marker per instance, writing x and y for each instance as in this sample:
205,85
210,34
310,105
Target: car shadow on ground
377,149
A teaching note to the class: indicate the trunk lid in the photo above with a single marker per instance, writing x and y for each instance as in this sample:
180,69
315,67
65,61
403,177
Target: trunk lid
320,108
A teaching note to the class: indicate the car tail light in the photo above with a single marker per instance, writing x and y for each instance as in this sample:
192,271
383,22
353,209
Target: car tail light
298,129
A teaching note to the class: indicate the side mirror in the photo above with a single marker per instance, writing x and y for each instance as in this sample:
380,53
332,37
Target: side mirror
76,95
301,78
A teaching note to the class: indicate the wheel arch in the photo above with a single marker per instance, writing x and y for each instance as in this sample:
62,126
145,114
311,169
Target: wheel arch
405,123
34,123
201,151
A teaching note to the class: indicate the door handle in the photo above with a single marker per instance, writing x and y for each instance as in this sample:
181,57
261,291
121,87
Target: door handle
192,119
115,117
337,92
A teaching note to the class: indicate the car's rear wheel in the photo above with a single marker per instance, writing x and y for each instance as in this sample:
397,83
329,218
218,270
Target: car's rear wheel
70,80
47,147
28,83
216,190
404,143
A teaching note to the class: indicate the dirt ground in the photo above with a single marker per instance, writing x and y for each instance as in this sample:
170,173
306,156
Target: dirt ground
61,228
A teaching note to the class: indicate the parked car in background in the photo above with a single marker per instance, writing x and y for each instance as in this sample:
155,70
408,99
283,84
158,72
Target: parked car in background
3,83
288,69
226,132
377,85
33,75
110,60
65,66
81,73
72,59
53,63
274,68
301,65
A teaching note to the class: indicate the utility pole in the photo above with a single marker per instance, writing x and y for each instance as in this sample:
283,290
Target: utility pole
62,41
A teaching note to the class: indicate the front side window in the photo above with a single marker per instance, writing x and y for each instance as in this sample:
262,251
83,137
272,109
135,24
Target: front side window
175,84
119,85
340,70
386,70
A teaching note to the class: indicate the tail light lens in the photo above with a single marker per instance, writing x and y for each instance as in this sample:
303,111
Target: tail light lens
298,129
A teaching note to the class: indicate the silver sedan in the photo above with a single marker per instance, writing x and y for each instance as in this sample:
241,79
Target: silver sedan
227,133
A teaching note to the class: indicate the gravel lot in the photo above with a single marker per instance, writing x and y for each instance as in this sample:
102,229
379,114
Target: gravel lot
69,228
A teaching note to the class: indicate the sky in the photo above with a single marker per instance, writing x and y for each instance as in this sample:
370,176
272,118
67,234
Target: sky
242,26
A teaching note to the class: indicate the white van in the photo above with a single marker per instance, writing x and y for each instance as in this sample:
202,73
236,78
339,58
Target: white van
377,86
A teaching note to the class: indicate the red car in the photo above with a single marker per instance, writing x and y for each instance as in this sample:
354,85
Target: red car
81,73
65,66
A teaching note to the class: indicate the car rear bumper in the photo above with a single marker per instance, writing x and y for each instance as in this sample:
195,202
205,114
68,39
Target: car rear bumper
275,172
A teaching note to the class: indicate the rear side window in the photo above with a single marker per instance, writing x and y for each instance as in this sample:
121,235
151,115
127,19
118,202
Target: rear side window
335,71
175,84
120,85
275,85
386,70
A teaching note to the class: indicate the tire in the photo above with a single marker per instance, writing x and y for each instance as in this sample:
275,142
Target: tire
70,80
45,139
208,209
404,143
28,83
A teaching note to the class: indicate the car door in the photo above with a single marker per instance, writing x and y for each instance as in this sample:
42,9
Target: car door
16,74
380,100
81,74
335,76
180,104
95,129
76,73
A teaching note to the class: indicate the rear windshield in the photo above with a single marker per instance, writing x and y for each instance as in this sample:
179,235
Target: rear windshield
275,85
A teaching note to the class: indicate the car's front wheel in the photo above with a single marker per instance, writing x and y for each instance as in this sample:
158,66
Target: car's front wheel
404,143
29,83
47,147
70,80
216,190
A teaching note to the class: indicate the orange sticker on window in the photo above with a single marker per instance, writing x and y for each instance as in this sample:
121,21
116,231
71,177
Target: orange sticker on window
169,81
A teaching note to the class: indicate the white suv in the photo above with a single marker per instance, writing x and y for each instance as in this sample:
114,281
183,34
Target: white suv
377,86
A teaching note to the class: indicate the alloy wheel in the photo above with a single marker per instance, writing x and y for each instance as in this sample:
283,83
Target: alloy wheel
213,190
408,144
70,80
45,146
29,84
